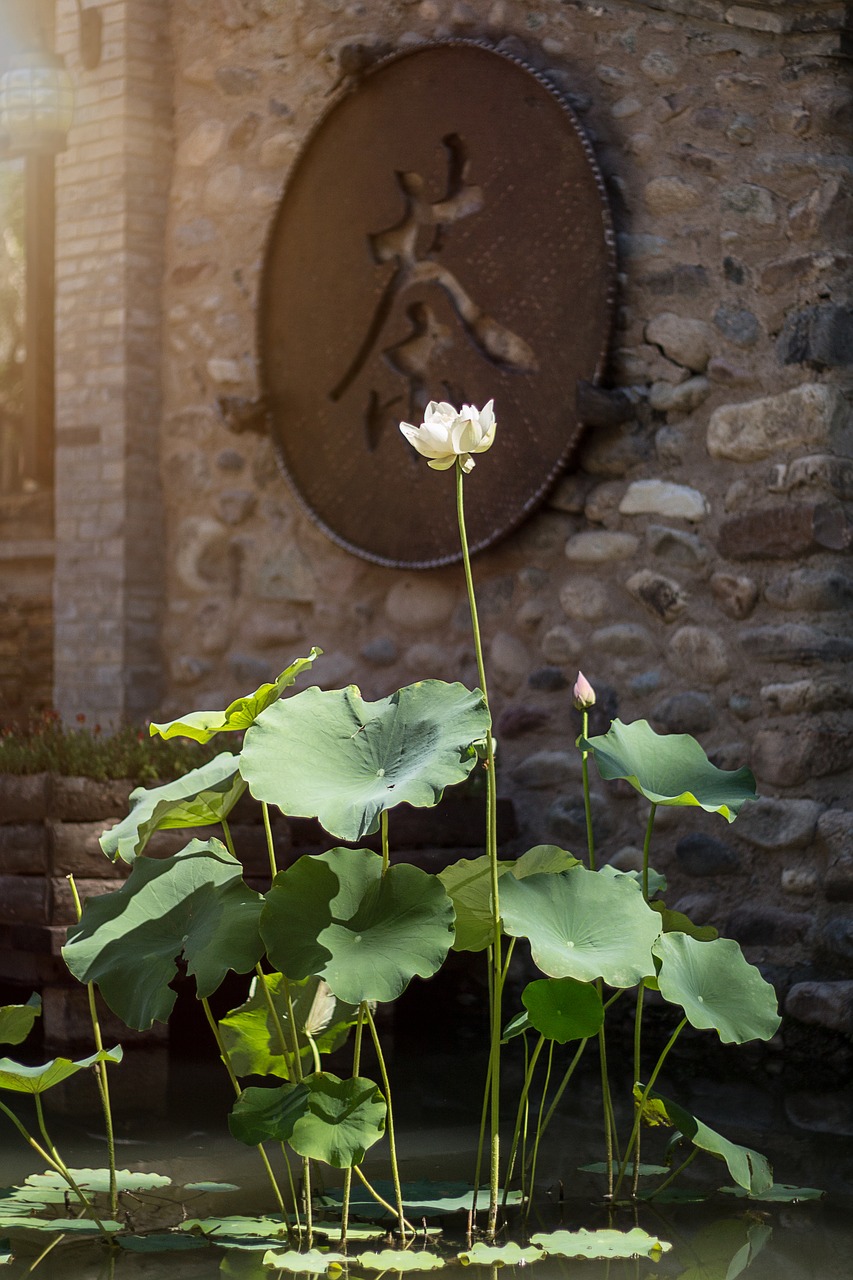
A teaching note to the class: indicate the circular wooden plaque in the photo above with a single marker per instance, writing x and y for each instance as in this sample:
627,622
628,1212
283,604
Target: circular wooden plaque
444,235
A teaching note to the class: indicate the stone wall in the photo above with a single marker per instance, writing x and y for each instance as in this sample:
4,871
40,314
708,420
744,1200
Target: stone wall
692,563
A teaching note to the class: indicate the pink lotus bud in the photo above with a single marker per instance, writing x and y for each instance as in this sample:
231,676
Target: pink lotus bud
583,694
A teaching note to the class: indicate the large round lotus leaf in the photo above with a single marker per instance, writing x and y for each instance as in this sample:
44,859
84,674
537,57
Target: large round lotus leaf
252,1035
201,797
323,1117
669,769
331,755
335,916
563,1009
716,987
582,925
194,904
604,1243
202,725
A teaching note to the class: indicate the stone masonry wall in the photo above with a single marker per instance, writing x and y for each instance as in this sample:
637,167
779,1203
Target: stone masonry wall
693,564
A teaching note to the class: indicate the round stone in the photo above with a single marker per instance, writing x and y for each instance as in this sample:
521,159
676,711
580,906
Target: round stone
699,653
415,603
546,769
585,599
662,498
684,341
561,645
600,546
670,195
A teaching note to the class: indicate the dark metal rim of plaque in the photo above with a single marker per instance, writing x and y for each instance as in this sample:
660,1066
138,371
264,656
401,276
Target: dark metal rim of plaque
536,498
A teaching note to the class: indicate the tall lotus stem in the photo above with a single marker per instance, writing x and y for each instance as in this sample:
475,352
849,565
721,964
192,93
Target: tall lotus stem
392,1143
492,854
101,1071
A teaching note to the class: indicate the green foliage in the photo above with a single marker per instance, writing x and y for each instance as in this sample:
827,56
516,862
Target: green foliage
349,760
563,1009
194,904
635,1243
670,769
18,1078
45,745
468,884
336,916
500,1255
749,1168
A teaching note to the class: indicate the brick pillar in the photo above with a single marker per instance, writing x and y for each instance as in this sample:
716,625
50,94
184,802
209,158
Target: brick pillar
111,189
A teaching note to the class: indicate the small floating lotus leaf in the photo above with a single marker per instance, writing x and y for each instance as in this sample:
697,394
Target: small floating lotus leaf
779,1193
311,1262
582,925
65,1226
194,904
6,1254
323,1117
400,1260
749,1168
16,1020
328,754
21,1079
161,1242
635,1243
644,1171
716,987
237,1226
420,1199
500,1255
669,769
253,1038
212,1188
336,916
53,1185
202,725
563,1009
201,797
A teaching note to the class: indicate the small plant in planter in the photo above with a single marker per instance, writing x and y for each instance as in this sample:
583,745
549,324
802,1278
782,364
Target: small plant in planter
339,932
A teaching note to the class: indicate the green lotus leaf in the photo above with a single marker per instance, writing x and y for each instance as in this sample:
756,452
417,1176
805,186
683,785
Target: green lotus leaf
203,725
311,1262
605,1243
194,904
716,987
563,1009
253,1036
677,922
543,859
6,1254
400,1260
669,769
331,755
500,1255
420,1199
160,1242
337,917
49,1187
779,1193
16,1020
657,882
516,1026
65,1226
582,925
749,1168
469,886
201,797
323,1117
237,1227
22,1079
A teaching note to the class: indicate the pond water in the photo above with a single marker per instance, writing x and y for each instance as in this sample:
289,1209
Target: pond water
171,1120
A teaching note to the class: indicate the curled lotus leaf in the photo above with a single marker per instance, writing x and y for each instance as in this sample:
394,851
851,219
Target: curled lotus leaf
500,1255
669,769
194,905
400,1260
336,916
200,798
582,925
716,987
314,1262
238,715
604,1243
16,1020
750,1169
36,1080
330,755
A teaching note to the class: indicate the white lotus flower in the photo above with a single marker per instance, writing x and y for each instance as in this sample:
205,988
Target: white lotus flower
445,436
